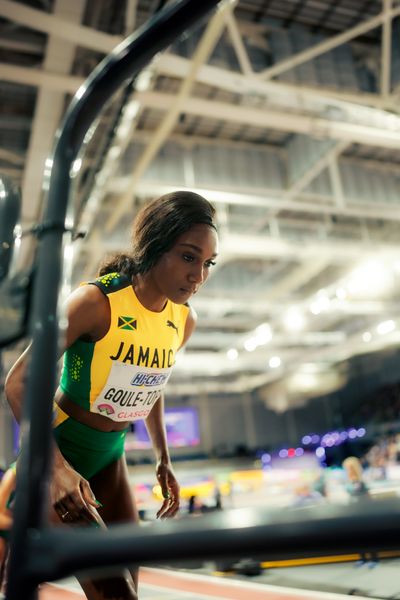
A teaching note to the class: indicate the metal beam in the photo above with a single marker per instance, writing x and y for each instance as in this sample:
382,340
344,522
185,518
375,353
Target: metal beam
223,341
297,277
175,66
41,78
304,180
266,198
247,247
203,51
275,119
58,27
238,45
319,165
283,93
23,46
328,44
12,157
334,353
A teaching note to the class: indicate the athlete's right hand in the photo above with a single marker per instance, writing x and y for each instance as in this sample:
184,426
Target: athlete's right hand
72,497
7,486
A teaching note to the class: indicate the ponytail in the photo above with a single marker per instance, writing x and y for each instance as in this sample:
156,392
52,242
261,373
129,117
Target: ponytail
119,263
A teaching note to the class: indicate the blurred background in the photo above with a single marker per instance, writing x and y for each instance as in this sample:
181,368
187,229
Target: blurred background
285,115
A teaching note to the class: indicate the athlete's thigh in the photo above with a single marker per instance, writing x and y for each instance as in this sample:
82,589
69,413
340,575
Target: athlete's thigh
111,487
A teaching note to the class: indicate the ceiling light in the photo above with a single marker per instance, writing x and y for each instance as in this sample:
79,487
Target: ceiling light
76,167
263,334
386,327
370,279
341,293
274,362
143,80
367,336
232,354
321,303
250,344
131,109
294,320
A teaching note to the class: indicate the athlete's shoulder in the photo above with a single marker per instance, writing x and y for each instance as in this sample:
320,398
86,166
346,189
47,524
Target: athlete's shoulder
190,324
111,282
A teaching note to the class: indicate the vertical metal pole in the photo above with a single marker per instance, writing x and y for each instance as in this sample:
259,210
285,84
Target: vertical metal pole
34,463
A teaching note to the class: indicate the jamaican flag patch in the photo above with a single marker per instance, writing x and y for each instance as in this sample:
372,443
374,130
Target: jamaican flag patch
129,323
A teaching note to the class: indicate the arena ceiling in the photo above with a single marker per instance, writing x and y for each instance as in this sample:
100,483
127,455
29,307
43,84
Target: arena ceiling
285,114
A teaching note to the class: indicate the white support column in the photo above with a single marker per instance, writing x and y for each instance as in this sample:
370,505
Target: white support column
386,49
238,45
130,16
47,116
188,169
336,182
249,423
205,411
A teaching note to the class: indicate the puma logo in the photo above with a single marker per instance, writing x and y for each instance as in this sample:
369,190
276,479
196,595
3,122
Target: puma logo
171,324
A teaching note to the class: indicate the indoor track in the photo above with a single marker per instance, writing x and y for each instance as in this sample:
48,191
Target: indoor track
158,584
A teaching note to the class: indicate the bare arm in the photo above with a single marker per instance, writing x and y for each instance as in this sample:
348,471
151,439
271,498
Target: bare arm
6,487
156,427
86,311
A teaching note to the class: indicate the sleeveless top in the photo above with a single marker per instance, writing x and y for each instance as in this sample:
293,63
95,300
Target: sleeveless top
122,375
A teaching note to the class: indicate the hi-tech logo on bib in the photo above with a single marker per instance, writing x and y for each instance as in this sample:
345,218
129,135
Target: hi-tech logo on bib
129,323
149,379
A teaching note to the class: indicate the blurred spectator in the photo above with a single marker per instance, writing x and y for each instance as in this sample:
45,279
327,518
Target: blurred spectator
305,495
194,505
320,484
218,499
356,488
355,485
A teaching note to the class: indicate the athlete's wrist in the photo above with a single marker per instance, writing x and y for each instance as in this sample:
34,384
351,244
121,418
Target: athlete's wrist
164,459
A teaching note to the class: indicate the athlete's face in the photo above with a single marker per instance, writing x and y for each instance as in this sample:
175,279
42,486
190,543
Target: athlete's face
181,271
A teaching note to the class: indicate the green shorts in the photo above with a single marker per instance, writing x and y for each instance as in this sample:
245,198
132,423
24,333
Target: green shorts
86,449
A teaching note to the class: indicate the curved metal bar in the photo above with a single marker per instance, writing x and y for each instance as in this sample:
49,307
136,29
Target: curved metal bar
33,466
265,534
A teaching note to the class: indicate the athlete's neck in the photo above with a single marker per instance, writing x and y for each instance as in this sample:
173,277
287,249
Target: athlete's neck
148,293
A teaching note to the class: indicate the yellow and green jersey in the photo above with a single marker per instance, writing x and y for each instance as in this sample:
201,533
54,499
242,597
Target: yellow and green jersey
122,375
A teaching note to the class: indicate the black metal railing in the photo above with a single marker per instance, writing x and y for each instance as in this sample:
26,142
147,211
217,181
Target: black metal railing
43,553
124,63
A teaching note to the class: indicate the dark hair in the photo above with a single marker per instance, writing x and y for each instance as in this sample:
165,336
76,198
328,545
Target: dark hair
155,229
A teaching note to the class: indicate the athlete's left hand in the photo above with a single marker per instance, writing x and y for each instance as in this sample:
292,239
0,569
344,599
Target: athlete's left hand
169,489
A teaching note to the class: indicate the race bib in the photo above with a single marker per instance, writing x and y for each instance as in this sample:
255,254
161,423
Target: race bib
130,392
